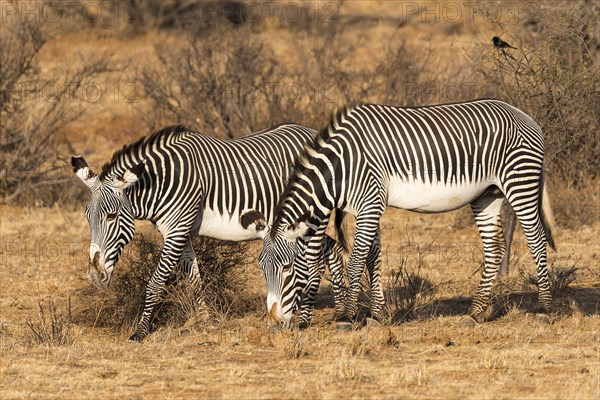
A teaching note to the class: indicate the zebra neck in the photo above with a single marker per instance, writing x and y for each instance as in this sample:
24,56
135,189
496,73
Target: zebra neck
304,202
141,211
150,199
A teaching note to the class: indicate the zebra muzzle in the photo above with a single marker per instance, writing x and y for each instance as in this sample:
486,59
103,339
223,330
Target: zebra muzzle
96,273
273,313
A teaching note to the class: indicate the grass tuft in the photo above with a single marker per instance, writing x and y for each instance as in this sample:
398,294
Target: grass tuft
295,346
560,278
51,327
407,293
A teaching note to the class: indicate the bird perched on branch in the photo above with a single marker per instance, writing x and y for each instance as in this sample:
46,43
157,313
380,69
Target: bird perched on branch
501,44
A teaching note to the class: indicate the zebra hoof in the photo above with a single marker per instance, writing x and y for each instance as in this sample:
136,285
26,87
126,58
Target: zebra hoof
342,326
469,322
303,325
542,318
137,337
372,322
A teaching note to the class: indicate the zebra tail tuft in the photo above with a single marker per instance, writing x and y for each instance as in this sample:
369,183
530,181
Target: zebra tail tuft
548,221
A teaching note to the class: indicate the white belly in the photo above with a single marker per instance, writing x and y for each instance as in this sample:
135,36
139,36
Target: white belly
432,198
224,227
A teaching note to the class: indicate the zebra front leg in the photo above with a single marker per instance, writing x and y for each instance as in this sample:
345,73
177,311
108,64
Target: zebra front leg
169,257
366,231
333,254
486,210
309,295
312,262
334,260
378,311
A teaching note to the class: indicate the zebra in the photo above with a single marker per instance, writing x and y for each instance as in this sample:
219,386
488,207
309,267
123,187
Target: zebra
189,184
427,159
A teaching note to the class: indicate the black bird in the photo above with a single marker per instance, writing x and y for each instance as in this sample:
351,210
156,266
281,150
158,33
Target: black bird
501,44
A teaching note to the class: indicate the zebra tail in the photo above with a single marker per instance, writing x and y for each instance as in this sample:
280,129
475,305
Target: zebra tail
547,216
339,220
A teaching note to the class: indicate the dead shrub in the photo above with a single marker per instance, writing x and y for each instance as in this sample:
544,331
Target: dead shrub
223,292
560,278
221,93
553,76
194,15
576,204
245,88
51,327
123,301
407,294
34,109
503,301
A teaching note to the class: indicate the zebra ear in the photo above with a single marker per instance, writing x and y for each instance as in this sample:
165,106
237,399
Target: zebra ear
254,221
83,171
129,177
298,228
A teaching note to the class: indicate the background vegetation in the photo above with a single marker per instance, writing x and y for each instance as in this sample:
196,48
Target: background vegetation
231,68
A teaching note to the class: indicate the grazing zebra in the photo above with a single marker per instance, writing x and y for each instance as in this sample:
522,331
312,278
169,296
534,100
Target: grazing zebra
425,159
189,184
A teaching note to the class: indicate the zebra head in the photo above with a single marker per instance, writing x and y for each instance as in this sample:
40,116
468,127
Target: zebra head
110,216
280,261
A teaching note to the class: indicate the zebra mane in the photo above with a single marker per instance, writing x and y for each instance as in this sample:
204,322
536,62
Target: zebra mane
131,152
313,146
304,159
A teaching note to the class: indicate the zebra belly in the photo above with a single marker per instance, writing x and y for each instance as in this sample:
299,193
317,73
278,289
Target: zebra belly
223,226
433,197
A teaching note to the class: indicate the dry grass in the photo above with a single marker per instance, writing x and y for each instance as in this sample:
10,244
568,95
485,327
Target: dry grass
431,356
59,337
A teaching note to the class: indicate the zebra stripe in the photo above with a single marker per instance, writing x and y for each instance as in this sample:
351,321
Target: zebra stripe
189,184
425,159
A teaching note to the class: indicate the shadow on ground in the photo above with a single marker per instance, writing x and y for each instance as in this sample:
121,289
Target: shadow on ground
585,300
569,301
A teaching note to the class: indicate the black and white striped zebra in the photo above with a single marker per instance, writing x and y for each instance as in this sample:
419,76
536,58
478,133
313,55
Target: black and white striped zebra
425,159
189,184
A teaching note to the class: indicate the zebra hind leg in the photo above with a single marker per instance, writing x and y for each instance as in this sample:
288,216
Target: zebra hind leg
486,210
531,221
189,267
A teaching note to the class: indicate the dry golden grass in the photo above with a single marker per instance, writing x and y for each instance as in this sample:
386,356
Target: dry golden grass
43,261
432,356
